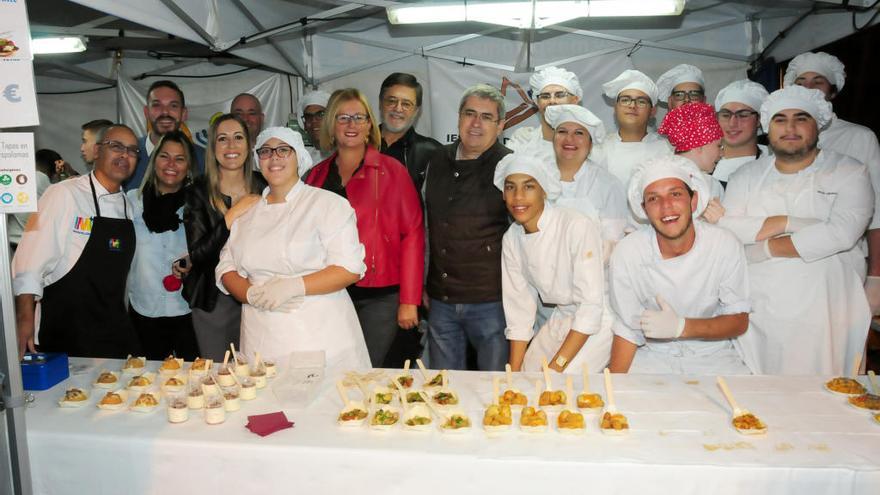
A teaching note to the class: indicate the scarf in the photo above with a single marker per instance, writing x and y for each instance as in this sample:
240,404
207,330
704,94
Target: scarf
160,211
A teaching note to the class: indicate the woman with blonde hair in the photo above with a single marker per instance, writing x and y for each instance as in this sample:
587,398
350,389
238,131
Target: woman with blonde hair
229,188
389,220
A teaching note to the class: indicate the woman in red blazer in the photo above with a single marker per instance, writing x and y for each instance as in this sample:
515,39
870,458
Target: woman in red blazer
389,219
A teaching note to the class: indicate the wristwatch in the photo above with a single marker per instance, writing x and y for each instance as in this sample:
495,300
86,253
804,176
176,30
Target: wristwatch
561,361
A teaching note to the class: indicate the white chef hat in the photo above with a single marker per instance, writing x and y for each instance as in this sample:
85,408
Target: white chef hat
631,79
682,73
666,167
293,139
554,75
811,101
743,91
316,97
821,63
539,166
557,114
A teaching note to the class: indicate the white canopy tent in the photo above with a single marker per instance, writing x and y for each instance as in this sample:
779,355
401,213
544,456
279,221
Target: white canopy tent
291,45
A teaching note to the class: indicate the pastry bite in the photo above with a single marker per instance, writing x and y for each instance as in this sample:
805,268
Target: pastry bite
384,418
178,411
748,424
498,417
145,402
107,379
513,397
417,418
533,420
174,384
113,401
134,365
570,421
613,423
200,364
590,402
845,386
248,389
74,397
171,365
552,398
215,411
866,401
140,383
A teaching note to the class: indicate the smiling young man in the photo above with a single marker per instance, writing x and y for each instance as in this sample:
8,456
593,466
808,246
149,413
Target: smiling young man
550,255
550,86
736,108
679,287
74,258
466,220
400,101
165,111
826,73
801,212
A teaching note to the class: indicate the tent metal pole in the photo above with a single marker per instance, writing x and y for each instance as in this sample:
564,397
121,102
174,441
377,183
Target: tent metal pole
296,26
13,390
189,21
257,24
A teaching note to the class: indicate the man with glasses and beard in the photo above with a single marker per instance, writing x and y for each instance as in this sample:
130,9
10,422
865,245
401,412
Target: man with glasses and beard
679,289
74,258
801,212
400,100
165,111
311,116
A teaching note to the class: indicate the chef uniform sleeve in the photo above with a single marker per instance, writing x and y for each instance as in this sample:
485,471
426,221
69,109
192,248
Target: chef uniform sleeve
735,202
623,296
733,294
339,236
519,297
227,260
588,278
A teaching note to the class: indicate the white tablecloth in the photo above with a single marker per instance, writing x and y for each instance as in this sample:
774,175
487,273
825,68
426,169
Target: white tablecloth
680,442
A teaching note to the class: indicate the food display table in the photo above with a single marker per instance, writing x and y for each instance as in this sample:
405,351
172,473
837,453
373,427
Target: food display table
680,442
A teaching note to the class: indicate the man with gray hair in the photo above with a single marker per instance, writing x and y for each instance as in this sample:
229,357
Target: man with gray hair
467,218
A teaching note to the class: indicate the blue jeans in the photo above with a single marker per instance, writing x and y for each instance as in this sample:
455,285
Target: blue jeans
452,326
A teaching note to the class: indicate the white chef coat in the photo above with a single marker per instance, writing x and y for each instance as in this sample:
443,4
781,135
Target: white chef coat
809,314
561,264
715,187
707,281
529,138
727,166
599,195
860,143
311,230
16,222
64,223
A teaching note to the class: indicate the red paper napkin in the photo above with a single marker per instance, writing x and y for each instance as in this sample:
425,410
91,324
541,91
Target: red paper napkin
265,424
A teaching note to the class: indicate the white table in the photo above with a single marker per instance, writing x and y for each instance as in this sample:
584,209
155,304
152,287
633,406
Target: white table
680,443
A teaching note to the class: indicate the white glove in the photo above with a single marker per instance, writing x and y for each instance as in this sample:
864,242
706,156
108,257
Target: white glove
795,224
872,291
714,211
254,292
278,291
663,324
758,252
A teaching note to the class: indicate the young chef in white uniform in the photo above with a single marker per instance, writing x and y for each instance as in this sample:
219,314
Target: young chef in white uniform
681,84
736,108
694,132
551,254
801,212
635,103
679,288
826,73
550,86
290,258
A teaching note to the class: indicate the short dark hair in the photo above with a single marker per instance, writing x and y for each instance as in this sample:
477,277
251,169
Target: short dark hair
94,126
403,79
164,83
45,160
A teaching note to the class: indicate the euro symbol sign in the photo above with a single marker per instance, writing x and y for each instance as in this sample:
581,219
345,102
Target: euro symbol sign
11,93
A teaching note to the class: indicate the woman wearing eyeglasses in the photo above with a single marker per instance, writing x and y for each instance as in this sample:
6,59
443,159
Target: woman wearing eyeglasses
389,219
213,202
160,314
289,259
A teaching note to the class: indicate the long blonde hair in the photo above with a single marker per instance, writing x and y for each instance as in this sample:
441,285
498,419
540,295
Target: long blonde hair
212,167
328,125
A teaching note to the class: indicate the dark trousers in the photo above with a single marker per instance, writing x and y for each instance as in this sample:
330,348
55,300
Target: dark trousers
161,337
378,318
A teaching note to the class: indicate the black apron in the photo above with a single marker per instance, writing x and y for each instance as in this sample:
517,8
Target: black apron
83,313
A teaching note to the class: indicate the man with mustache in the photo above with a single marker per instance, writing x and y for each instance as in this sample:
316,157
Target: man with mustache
801,212
400,100
165,111
74,258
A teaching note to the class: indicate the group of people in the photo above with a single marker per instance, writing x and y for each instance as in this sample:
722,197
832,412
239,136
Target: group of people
692,249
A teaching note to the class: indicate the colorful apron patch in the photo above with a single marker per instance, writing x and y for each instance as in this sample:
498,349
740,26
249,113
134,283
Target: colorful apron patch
114,244
82,225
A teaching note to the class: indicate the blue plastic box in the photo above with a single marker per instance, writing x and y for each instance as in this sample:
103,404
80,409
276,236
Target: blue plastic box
43,370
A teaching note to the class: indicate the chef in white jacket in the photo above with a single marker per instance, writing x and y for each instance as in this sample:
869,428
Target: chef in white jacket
550,86
826,73
289,259
551,254
736,108
635,103
801,213
681,84
679,288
